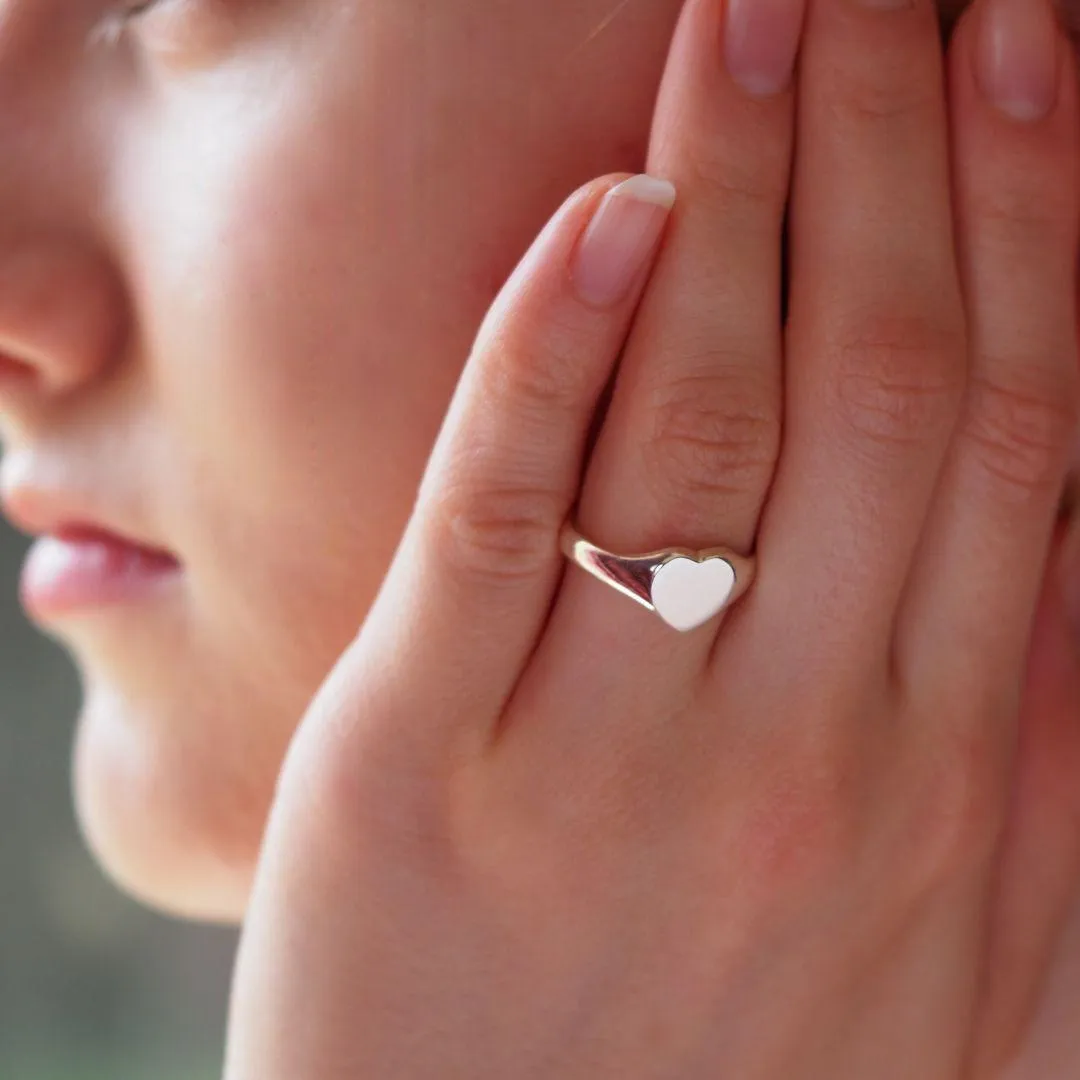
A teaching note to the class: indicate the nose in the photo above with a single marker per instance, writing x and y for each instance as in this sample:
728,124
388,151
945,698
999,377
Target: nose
62,307
61,315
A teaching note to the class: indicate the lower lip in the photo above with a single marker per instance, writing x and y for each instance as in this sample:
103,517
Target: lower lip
67,574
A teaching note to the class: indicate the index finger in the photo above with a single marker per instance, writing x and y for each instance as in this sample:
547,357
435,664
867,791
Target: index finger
471,584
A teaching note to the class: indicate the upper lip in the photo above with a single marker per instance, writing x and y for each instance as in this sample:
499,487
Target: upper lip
49,510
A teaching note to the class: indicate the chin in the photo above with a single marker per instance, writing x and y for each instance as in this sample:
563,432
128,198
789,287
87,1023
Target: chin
166,822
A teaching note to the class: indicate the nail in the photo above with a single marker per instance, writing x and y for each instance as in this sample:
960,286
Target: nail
1019,56
761,43
621,237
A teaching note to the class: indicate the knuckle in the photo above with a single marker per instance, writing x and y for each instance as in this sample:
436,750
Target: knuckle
952,827
340,778
496,532
800,840
713,435
885,95
899,380
1021,427
747,182
540,368
1020,215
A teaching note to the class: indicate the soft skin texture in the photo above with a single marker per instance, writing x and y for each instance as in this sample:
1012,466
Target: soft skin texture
269,233
285,227
577,846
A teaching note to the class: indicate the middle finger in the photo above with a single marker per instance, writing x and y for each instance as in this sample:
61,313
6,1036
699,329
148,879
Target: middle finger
689,444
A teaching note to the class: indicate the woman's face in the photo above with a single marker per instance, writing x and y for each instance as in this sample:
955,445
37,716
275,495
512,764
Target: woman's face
244,249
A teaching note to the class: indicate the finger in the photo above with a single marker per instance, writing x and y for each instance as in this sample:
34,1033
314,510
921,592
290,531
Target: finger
976,582
470,586
690,440
876,350
1039,864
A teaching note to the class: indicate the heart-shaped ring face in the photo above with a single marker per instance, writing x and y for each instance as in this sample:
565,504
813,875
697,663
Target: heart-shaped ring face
687,594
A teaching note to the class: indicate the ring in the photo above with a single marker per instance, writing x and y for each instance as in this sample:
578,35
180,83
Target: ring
685,588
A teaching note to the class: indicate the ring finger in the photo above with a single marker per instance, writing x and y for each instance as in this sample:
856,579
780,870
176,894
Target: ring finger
689,443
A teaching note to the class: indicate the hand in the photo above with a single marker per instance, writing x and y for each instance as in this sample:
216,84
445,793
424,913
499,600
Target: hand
527,830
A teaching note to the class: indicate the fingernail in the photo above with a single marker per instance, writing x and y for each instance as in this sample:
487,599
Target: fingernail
620,239
761,43
1019,57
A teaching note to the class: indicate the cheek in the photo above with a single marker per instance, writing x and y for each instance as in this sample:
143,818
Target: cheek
311,252
315,290
307,294
308,308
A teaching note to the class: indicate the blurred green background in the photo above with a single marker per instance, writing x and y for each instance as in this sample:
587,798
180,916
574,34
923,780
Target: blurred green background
92,986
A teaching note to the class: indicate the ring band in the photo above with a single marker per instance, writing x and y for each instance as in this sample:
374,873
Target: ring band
686,588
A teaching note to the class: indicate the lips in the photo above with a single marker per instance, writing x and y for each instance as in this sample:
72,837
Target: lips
87,570
83,559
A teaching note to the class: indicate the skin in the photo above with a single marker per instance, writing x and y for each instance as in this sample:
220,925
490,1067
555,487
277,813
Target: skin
239,431
277,229
807,845
275,447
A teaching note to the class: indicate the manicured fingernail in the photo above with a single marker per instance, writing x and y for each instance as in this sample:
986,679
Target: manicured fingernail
1019,56
761,43
621,237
